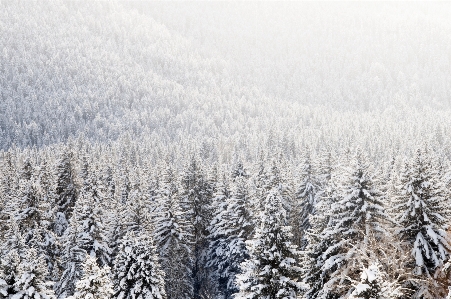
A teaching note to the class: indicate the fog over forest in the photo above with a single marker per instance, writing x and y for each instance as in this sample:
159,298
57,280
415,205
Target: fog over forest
225,150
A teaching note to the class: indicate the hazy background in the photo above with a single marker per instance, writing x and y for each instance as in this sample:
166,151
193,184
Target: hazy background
373,74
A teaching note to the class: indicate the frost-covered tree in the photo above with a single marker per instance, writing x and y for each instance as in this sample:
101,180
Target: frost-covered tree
375,285
229,230
195,201
65,192
304,203
272,268
31,282
137,272
173,239
355,215
72,258
89,216
9,273
95,282
422,213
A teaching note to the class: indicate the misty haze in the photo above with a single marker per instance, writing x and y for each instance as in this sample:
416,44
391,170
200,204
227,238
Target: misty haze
225,150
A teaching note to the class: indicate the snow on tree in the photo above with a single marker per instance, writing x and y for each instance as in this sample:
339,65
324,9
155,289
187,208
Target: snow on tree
229,230
356,213
422,212
271,270
9,273
137,272
304,203
31,282
89,216
375,285
95,282
73,256
64,192
173,239
195,201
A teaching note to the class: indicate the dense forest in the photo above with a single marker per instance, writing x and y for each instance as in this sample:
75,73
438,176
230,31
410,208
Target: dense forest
196,150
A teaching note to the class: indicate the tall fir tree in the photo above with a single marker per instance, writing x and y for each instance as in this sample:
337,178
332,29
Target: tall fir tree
64,192
72,258
173,237
272,268
356,215
195,200
304,203
422,212
229,231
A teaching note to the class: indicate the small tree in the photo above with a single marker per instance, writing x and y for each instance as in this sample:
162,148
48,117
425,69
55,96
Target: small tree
374,285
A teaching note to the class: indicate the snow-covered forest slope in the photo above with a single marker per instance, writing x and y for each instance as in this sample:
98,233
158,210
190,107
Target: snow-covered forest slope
178,150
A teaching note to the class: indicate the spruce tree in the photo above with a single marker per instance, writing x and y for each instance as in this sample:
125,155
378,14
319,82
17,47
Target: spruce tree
31,282
272,268
195,200
65,192
229,231
95,282
137,272
375,285
356,214
304,204
89,217
174,240
72,258
422,213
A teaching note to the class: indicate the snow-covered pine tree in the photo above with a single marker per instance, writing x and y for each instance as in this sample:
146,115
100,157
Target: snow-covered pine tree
304,203
137,272
31,282
217,244
72,259
375,285
36,214
13,251
195,201
65,192
422,212
95,282
272,268
173,239
356,214
89,216
229,231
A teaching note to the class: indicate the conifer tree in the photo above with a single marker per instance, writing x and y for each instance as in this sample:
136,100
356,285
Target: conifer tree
271,270
305,203
65,192
422,212
95,282
89,217
216,258
374,285
13,252
31,282
72,258
173,239
195,200
229,231
355,215
137,272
